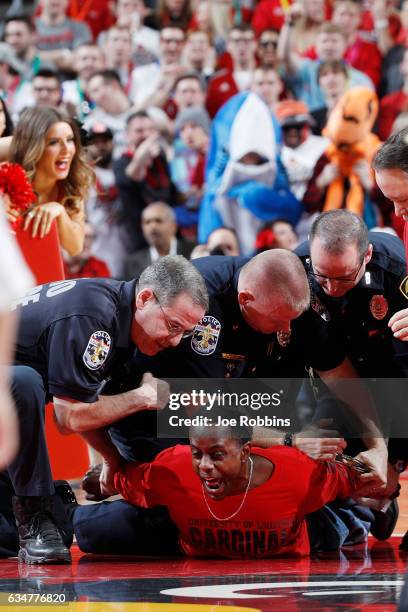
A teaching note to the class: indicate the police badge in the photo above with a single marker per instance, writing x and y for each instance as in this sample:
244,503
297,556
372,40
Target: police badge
205,336
378,307
97,350
404,287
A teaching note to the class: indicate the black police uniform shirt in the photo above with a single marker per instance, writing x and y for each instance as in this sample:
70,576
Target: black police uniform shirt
225,346
359,320
76,334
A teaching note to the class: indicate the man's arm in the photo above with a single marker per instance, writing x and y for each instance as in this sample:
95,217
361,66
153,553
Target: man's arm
358,397
284,52
79,417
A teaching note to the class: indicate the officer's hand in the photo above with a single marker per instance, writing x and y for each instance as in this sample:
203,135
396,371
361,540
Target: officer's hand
106,479
320,443
399,324
155,392
373,482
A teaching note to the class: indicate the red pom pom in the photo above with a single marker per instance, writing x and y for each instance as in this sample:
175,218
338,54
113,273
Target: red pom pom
15,184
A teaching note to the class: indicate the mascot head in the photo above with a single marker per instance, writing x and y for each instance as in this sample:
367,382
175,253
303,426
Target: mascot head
352,118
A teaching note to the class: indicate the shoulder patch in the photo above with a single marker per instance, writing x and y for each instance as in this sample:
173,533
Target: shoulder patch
205,336
97,350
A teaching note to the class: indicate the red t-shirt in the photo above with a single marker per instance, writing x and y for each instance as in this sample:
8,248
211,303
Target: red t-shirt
271,521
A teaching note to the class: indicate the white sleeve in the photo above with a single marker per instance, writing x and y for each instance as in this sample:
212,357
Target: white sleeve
15,276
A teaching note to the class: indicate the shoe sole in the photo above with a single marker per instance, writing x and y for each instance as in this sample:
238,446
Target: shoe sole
64,558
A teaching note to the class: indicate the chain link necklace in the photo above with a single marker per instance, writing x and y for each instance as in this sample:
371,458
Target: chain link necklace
227,518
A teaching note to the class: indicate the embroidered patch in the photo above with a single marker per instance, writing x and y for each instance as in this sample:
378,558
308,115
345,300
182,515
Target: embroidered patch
97,350
205,337
378,307
283,338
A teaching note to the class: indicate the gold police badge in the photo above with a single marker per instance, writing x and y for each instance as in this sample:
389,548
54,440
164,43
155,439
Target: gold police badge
404,287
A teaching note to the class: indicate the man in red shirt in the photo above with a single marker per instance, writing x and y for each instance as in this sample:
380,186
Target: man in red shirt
226,498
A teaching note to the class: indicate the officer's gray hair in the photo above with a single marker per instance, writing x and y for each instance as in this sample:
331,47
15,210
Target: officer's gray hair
171,276
278,277
337,229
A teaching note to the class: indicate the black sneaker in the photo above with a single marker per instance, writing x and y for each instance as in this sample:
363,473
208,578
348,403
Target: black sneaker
39,537
384,522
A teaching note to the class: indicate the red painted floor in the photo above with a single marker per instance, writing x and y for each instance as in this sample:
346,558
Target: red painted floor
360,578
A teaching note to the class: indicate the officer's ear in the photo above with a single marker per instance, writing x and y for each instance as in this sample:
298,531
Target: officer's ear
244,297
143,297
369,254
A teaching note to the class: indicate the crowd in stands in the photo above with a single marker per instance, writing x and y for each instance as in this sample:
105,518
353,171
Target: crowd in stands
205,115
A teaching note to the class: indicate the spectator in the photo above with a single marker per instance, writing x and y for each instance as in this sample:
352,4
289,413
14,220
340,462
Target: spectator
246,184
199,54
112,106
118,53
46,89
159,229
300,149
266,49
302,73
285,235
172,13
97,14
226,83
189,91
152,84
268,84
20,34
223,241
145,40
360,53
342,177
103,207
85,265
308,16
87,59
190,152
332,78
380,21
142,174
58,35
206,19
395,103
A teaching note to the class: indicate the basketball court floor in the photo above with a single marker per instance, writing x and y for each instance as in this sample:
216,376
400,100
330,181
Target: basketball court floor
365,578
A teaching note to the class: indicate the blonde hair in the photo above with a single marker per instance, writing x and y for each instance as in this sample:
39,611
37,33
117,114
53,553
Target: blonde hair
28,146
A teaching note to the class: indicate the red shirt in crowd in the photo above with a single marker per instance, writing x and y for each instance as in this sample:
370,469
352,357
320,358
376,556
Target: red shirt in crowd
271,520
93,268
390,107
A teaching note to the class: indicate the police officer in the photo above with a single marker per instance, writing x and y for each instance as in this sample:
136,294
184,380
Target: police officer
74,336
355,278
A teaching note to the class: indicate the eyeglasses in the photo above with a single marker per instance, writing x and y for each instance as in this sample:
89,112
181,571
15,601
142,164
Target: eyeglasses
174,330
268,43
344,279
